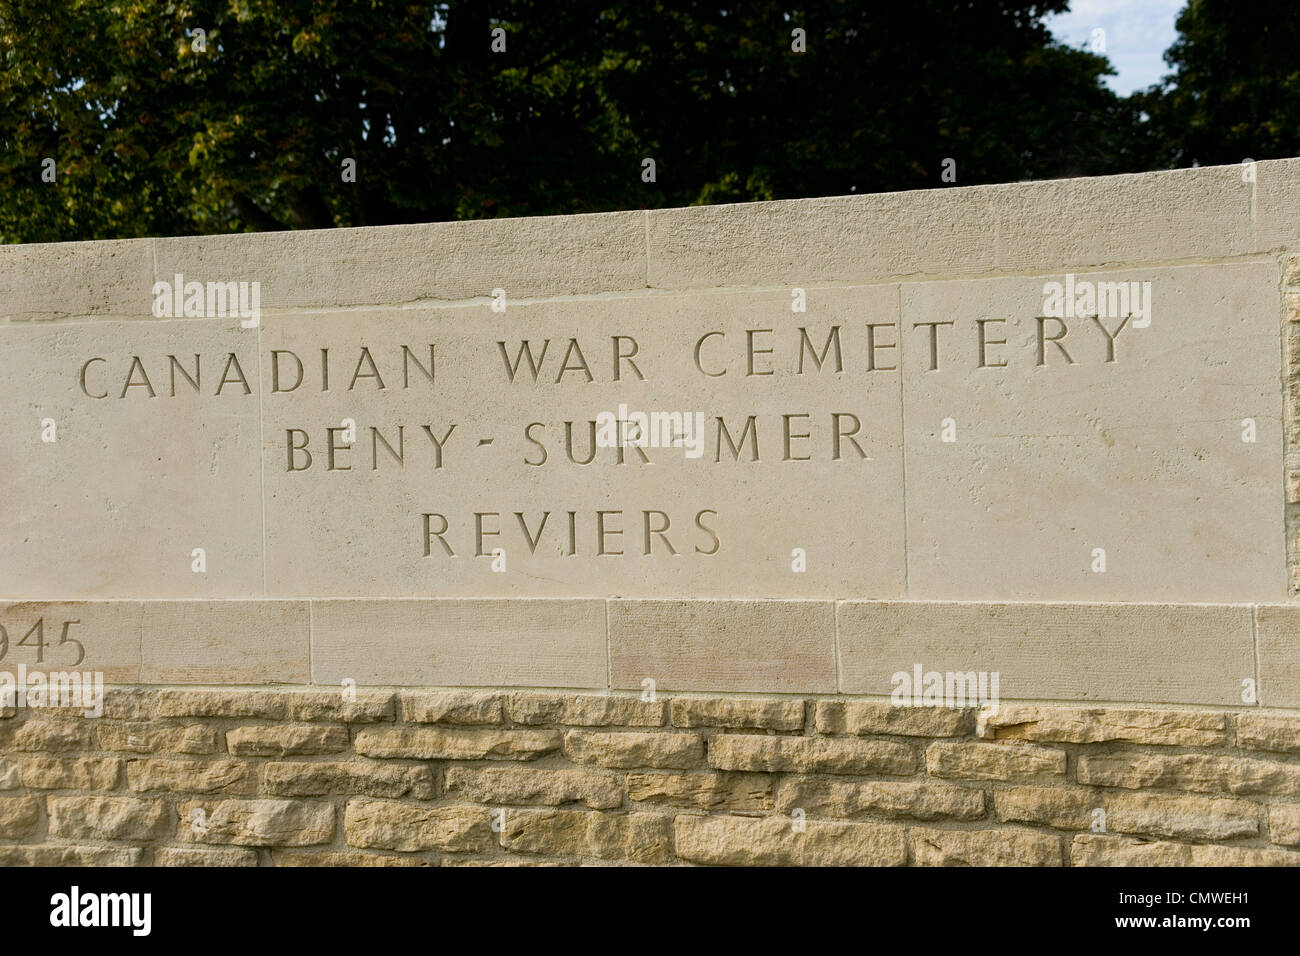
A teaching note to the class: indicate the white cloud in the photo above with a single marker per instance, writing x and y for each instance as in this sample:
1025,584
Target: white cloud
1137,34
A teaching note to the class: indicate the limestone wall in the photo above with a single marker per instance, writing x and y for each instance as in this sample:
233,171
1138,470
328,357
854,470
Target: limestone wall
1043,434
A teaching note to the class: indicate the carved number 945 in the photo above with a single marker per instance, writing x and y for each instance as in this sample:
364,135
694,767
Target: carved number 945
37,631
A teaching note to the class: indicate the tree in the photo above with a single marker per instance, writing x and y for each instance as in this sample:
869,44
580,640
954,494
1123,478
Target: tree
1235,88
158,128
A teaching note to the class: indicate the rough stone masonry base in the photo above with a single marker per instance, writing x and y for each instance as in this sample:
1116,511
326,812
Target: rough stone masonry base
254,777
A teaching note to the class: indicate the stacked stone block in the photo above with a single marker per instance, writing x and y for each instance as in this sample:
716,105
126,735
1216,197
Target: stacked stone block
241,777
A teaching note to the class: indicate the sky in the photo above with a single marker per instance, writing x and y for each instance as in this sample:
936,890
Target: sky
1137,33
